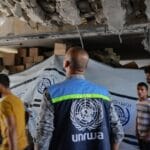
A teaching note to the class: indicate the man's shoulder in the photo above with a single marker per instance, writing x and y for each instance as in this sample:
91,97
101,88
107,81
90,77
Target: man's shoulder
6,99
14,97
143,104
2,102
98,87
14,100
60,84
85,81
6,102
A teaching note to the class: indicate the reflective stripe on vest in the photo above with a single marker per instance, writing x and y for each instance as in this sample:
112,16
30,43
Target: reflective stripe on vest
79,96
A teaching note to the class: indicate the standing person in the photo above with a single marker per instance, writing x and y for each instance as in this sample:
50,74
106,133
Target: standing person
12,118
143,117
147,73
77,114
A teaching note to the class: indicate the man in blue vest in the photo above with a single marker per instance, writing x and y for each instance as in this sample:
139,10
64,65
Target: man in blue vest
77,114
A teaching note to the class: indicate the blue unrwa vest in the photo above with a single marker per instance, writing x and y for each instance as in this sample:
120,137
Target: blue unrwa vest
81,116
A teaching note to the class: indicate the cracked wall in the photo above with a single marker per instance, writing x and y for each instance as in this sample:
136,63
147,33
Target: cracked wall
68,11
115,14
51,13
147,3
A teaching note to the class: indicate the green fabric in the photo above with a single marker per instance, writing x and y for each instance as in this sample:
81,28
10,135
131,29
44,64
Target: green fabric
79,96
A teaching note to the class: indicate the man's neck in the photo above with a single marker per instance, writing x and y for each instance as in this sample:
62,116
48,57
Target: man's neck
75,73
143,99
81,76
7,92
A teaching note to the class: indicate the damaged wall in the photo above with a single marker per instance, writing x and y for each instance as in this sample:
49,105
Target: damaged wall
13,26
68,11
135,11
115,14
147,3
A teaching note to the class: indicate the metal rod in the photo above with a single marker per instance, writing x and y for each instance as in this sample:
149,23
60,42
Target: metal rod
80,36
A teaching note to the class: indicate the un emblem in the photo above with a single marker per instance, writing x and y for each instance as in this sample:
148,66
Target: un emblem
123,114
86,114
45,82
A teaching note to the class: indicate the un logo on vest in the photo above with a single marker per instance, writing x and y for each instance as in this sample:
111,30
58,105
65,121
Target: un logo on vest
86,114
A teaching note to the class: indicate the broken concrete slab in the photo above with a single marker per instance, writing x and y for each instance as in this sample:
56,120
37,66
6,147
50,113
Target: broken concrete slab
60,13
68,11
147,3
115,14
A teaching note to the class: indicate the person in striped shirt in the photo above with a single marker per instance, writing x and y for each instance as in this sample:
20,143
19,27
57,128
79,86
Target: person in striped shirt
147,75
143,116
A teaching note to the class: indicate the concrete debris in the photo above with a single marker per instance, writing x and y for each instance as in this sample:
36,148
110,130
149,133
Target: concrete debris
146,41
84,6
100,18
17,1
96,6
107,56
47,7
147,3
55,19
9,3
5,10
17,11
68,11
132,6
33,10
24,17
135,11
127,5
115,14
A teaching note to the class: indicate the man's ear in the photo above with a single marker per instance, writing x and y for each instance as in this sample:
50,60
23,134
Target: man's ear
66,64
1,87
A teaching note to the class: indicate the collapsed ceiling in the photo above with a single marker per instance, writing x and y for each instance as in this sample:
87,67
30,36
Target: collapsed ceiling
114,16
114,13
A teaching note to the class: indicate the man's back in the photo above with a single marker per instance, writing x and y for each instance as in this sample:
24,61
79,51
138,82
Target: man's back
12,105
76,114
82,118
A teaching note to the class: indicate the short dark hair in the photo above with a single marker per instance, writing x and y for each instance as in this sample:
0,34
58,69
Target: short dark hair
142,84
4,80
147,69
77,63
